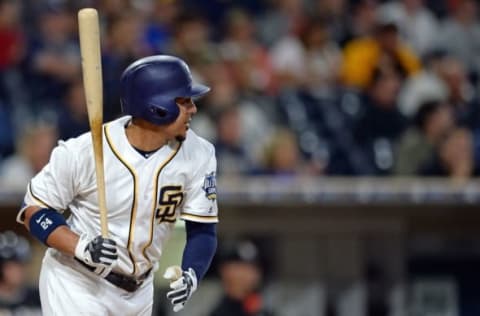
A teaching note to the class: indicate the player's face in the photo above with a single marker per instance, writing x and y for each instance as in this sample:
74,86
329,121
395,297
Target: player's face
179,128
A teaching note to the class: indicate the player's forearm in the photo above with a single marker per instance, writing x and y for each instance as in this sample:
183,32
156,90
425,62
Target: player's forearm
200,247
61,238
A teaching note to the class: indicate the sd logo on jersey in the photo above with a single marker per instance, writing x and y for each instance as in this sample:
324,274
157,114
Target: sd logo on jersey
210,186
171,196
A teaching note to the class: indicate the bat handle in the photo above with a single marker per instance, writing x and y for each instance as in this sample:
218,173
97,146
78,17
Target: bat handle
173,273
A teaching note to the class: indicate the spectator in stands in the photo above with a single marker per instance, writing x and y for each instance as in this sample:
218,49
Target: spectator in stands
232,157
55,56
224,93
7,136
159,29
282,155
310,60
112,10
215,10
73,117
241,276
461,93
124,45
380,123
464,99
460,34
16,297
14,92
191,41
244,54
454,158
322,59
425,86
33,151
417,24
255,111
364,56
12,38
336,19
417,147
285,18
363,20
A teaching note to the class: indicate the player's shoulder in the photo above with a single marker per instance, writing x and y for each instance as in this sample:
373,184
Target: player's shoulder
84,141
118,123
76,144
196,146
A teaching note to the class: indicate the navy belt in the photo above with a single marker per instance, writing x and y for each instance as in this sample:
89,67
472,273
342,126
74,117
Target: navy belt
127,283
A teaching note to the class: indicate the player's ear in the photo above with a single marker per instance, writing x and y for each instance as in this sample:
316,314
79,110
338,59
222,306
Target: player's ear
158,111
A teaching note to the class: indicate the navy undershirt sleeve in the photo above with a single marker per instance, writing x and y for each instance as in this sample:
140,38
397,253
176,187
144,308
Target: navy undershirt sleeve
200,247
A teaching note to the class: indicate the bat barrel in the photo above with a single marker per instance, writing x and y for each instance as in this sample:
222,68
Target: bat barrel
89,33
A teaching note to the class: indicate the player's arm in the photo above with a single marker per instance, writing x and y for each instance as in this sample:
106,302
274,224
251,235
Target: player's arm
200,247
50,227
200,214
52,189
198,254
50,192
59,236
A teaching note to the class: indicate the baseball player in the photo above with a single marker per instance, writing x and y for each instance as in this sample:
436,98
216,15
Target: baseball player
156,171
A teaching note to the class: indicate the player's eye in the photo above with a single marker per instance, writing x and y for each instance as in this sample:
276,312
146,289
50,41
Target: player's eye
184,101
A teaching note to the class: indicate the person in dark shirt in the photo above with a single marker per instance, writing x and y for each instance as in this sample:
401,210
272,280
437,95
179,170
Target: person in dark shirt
241,277
73,116
16,298
454,157
380,123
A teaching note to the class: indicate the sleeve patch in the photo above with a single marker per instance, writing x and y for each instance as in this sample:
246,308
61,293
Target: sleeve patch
210,186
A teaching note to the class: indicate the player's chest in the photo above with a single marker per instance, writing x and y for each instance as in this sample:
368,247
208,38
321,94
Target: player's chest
148,185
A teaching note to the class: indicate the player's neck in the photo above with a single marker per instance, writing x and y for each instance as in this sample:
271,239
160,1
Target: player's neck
144,135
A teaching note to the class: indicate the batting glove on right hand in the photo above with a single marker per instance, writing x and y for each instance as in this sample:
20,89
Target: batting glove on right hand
100,253
182,283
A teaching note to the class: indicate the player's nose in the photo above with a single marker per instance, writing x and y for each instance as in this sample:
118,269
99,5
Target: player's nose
192,109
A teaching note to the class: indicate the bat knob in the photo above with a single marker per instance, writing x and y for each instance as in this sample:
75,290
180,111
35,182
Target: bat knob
173,273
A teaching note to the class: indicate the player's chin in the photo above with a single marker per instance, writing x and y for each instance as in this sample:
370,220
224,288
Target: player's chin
182,135
180,138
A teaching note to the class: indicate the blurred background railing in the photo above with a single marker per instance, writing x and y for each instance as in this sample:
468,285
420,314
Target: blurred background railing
346,244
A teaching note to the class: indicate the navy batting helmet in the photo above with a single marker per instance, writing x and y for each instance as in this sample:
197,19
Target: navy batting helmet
150,86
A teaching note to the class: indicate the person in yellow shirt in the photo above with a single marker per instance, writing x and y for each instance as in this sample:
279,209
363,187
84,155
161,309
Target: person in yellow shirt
362,56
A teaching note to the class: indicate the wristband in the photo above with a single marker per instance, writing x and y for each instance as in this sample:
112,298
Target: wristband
44,222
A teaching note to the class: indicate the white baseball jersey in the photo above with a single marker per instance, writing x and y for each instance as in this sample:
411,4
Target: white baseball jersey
145,196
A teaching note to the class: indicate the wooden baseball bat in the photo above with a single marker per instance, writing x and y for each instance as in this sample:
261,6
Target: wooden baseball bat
89,32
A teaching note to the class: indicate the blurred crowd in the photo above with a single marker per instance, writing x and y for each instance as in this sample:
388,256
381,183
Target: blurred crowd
322,87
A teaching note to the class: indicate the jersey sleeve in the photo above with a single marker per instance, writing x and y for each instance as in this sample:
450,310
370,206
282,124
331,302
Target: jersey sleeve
53,187
200,203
